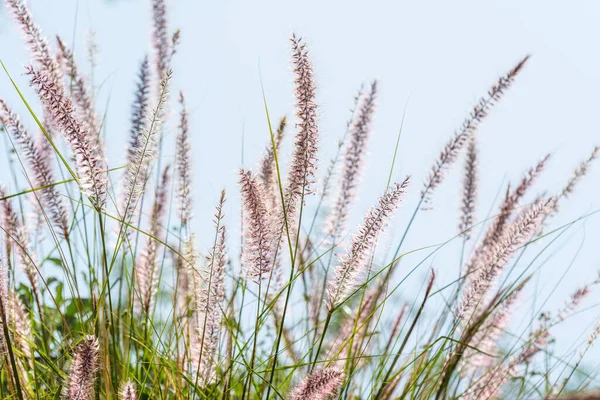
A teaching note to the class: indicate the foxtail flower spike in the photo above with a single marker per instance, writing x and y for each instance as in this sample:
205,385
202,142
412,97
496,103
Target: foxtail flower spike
352,265
85,364
147,267
495,258
91,167
319,385
80,91
183,165
470,182
127,391
40,166
17,233
209,295
267,168
259,243
38,44
143,142
304,159
359,131
469,127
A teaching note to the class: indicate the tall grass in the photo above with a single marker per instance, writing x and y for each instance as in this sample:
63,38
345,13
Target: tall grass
104,294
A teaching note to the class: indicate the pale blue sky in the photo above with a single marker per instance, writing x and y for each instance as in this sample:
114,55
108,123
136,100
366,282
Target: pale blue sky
439,56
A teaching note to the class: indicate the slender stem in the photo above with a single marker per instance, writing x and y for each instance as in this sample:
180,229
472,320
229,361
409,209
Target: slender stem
327,321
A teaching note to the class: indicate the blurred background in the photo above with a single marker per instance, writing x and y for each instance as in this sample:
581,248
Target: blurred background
432,59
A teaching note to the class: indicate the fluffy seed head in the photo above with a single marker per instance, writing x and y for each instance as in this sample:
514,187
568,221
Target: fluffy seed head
127,391
209,293
319,385
351,268
183,164
469,189
40,166
38,44
90,165
85,364
304,159
80,91
360,131
143,142
259,251
498,255
147,267
267,168
468,128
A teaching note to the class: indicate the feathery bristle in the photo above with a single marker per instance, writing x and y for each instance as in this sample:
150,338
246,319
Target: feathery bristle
209,298
80,90
259,243
488,387
334,161
40,166
354,329
360,131
143,143
147,268
90,166
20,334
183,163
304,159
468,128
469,189
38,44
351,267
319,385
139,109
498,254
160,37
85,363
268,172
578,174
127,391
17,233
511,200
486,338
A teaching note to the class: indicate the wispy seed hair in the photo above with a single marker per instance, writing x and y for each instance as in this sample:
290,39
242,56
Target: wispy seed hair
90,164
304,159
143,142
209,298
139,109
38,44
259,244
498,255
17,233
127,391
267,168
578,174
80,90
40,166
469,127
470,182
183,164
351,268
160,38
319,385
147,267
85,364
511,200
360,131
